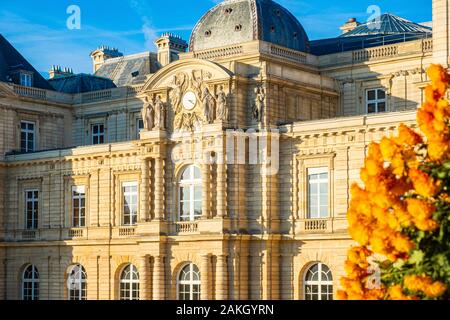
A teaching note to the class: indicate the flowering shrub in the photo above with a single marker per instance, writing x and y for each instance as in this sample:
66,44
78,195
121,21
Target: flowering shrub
401,219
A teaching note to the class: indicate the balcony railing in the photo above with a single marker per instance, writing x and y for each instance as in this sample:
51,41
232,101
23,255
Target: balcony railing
186,227
29,235
76,233
127,231
316,225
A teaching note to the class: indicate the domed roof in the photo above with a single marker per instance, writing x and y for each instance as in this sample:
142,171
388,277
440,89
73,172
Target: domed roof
389,24
238,21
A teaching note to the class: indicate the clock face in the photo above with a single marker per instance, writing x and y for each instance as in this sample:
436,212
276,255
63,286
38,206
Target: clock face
189,100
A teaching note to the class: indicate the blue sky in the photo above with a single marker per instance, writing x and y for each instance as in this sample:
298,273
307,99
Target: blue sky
38,28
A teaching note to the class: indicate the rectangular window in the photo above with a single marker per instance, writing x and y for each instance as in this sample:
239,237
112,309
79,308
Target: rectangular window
78,206
318,193
98,133
130,203
27,136
31,209
26,80
139,127
376,100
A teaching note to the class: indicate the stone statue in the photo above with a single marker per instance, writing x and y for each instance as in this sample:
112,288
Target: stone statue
222,107
208,106
258,106
177,91
160,113
148,114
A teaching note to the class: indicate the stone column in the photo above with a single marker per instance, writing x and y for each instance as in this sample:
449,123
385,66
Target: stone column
255,287
205,190
441,26
159,279
221,190
144,277
243,276
92,280
144,214
205,273
222,277
159,189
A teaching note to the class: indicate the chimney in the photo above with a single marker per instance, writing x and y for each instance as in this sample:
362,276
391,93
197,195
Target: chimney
169,46
350,25
58,72
103,53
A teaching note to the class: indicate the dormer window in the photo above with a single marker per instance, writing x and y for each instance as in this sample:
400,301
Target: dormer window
26,80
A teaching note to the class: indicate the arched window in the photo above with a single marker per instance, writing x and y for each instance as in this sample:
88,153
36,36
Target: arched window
318,283
189,283
30,283
129,283
76,283
190,194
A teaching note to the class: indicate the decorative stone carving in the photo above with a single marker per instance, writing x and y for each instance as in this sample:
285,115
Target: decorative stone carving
148,114
203,111
187,121
178,86
208,106
222,106
259,104
160,113
198,77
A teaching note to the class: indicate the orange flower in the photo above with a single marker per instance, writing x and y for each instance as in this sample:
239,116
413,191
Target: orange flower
424,284
423,183
438,149
420,209
373,167
437,73
396,293
360,233
388,148
402,244
407,136
342,295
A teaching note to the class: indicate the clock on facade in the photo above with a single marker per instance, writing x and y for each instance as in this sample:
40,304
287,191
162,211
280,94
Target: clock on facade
189,100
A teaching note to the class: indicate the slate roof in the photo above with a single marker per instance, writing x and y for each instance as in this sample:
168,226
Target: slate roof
81,83
342,44
393,29
129,70
237,21
389,25
11,60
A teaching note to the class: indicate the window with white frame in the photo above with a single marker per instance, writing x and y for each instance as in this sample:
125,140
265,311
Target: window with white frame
376,100
30,283
317,193
129,283
76,283
78,206
98,133
189,283
139,127
31,209
130,203
26,80
27,136
190,194
318,284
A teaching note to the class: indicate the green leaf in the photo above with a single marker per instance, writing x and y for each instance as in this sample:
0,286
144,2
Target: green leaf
416,257
399,263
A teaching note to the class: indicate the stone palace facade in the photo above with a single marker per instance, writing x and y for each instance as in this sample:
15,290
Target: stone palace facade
218,169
